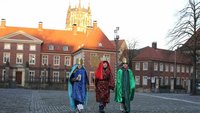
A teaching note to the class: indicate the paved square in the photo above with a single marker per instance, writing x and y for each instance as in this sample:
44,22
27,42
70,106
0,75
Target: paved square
49,101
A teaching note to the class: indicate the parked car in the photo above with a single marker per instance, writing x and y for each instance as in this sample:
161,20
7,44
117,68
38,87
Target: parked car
198,87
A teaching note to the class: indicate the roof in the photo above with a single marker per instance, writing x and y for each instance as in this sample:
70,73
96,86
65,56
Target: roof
61,38
149,53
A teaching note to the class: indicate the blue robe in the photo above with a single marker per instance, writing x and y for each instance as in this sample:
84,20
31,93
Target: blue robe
77,90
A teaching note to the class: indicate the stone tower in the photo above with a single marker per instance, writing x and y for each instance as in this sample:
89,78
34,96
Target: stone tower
79,16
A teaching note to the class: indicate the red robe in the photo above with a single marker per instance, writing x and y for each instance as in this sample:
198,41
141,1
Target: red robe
104,82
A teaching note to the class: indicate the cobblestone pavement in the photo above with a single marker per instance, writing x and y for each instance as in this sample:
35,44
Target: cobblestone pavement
49,101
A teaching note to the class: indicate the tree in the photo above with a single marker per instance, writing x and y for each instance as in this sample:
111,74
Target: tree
130,52
185,33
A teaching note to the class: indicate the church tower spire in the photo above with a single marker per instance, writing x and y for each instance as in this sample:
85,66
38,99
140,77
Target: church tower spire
80,16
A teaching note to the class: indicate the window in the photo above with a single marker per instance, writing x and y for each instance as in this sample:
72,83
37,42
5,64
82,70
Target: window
100,45
145,66
51,47
182,68
137,80
7,46
20,46
107,57
178,68
178,81
32,48
19,58
65,48
155,66
191,70
44,76
31,76
137,66
31,58
161,81
56,76
56,60
67,60
144,81
187,69
6,57
171,68
166,67
166,80
161,66
44,59
3,77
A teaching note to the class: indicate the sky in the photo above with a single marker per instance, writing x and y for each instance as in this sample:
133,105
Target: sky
143,21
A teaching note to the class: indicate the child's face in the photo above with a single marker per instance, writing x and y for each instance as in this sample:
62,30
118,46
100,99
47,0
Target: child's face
105,65
79,66
125,65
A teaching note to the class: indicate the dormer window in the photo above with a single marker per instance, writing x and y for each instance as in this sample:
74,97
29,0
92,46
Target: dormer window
51,47
65,48
7,46
100,45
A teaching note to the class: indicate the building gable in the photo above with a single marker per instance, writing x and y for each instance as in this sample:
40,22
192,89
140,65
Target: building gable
20,36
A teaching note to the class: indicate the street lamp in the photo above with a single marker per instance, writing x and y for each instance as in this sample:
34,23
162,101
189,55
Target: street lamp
116,38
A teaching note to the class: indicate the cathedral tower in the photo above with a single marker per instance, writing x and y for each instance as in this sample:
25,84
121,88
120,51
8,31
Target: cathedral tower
79,16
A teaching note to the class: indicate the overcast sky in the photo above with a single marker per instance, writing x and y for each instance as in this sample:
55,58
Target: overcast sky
142,20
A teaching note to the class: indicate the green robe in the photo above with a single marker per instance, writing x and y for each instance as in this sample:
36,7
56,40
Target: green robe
121,93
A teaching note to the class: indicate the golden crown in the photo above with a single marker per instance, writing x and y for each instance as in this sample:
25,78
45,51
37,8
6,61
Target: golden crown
124,60
79,61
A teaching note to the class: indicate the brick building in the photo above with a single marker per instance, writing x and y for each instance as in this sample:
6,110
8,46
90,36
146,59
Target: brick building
47,55
154,68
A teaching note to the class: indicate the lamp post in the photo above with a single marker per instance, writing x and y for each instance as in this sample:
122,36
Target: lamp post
116,38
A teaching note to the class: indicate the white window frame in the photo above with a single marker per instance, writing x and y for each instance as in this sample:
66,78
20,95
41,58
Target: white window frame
178,81
137,80
44,76
51,47
19,58
32,59
32,47
178,69
144,80
56,60
6,57
137,66
161,66
7,46
166,80
187,69
171,68
56,76
65,48
32,75
44,59
67,60
166,67
183,69
145,66
155,66
191,69
3,75
20,47
107,56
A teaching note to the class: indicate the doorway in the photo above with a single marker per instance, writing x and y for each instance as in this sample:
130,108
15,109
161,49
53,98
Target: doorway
18,77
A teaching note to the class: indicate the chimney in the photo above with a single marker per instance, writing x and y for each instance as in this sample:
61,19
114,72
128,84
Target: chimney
95,24
154,45
74,29
89,30
3,23
40,26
